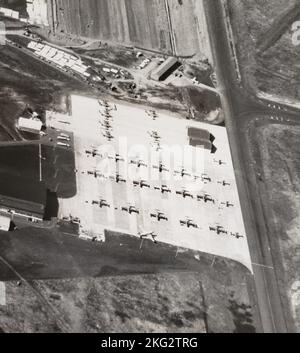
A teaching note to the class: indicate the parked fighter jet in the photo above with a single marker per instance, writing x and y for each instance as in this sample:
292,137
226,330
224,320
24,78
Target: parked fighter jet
120,179
107,135
142,184
102,203
94,152
220,162
206,198
205,177
185,194
106,125
130,209
147,234
237,235
189,223
161,167
182,172
152,114
218,229
165,189
154,135
117,158
227,204
159,215
139,163
224,183
103,103
96,173
106,114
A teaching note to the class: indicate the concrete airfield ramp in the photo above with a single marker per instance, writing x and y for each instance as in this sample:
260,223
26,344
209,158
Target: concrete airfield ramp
131,181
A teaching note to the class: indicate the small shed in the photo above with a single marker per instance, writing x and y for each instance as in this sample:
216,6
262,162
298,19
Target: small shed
200,138
30,125
5,223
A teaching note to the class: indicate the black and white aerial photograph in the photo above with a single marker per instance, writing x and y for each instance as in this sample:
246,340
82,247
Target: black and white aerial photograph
150,168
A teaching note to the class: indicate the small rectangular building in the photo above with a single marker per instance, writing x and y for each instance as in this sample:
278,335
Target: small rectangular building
5,222
30,125
2,294
200,138
165,69
32,45
9,13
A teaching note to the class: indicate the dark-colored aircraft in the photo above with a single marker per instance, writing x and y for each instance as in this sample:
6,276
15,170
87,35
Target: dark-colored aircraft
189,223
237,235
131,209
218,229
185,194
160,216
206,198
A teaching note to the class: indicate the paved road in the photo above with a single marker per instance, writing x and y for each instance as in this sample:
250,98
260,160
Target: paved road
238,102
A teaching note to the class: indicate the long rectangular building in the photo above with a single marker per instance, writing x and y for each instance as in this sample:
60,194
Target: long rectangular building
165,69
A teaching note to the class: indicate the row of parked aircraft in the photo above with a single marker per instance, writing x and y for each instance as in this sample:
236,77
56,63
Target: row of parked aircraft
139,163
107,119
190,223
106,105
221,230
164,189
161,216
132,210
152,114
204,177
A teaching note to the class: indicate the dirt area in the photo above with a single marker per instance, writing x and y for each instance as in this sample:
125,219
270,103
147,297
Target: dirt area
268,58
201,70
206,105
279,170
214,300
279,71
113,54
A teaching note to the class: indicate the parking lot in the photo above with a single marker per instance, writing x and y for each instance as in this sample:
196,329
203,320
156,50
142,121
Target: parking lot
135,175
